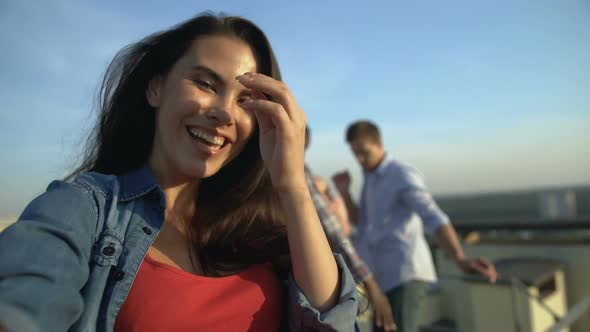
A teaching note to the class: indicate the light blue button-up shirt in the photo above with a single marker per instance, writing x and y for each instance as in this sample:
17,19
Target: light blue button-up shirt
395,210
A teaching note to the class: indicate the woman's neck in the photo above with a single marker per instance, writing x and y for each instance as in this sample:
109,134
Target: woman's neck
181,199
180,191
181,204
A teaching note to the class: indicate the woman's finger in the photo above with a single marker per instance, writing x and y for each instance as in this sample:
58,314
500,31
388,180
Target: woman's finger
276,90
269,114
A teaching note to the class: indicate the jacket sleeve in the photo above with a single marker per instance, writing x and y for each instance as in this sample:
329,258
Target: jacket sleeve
44,260
342,317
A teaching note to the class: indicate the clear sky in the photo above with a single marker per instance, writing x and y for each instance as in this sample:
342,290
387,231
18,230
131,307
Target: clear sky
479,95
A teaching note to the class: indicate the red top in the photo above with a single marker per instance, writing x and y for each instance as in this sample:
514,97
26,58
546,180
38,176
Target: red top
166,298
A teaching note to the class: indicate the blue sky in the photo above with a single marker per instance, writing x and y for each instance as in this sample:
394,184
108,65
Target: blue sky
480,96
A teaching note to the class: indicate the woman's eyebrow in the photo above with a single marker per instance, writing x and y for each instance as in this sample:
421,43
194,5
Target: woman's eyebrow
217,78
209,72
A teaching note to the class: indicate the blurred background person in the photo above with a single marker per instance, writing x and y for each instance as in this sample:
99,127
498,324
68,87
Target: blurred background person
340,243
395,208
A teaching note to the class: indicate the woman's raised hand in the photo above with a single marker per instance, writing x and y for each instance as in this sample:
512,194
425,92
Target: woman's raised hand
282,130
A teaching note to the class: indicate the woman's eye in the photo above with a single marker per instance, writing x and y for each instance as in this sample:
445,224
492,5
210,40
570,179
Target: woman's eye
204,85
244,98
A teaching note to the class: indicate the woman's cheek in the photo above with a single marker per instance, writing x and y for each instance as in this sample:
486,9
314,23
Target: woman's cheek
249,123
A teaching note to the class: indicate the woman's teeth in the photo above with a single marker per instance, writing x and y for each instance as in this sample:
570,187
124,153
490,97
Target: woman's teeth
211,139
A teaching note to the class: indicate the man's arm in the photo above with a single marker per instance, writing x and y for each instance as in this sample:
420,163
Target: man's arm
435,220
449,241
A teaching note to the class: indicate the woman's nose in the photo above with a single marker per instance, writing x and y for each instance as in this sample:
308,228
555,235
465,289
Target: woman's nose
221,112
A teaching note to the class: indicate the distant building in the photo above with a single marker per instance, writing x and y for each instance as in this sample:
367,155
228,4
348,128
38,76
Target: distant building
557,204
524,205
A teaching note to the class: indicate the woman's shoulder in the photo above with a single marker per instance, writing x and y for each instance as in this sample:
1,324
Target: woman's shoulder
120,187
91,182
68,206
73,194
81,196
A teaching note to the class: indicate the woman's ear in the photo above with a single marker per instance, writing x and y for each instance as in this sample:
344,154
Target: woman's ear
153,92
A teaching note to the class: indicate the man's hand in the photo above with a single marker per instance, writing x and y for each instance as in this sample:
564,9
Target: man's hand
383,313
449,241
481,266
381,306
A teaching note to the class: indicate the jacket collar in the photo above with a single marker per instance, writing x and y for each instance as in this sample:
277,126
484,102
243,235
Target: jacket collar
138,183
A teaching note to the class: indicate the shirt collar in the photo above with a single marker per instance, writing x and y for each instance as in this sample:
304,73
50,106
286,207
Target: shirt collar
380,170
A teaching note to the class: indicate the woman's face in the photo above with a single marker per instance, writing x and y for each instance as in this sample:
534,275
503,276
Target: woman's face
200,124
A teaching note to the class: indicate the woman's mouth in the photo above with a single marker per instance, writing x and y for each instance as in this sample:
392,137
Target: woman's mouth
211,143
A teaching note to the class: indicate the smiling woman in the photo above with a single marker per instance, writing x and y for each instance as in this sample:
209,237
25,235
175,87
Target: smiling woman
201,122
190,207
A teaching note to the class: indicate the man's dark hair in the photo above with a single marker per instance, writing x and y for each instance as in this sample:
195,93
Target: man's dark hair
363,129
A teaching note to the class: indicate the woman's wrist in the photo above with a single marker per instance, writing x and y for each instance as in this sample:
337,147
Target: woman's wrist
293,185
294,196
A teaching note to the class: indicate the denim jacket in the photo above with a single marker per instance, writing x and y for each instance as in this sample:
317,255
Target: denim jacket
69,261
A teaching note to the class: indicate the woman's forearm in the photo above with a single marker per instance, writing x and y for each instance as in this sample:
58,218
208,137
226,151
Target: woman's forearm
314,266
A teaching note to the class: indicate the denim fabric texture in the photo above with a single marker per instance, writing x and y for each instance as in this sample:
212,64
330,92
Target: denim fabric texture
69,261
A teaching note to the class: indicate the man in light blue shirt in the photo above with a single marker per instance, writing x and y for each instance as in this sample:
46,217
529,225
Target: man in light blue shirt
394,211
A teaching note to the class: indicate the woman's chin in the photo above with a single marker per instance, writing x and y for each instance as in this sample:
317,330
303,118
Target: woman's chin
201,171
